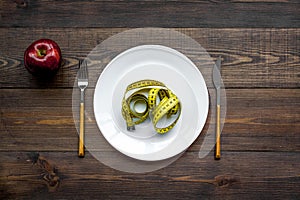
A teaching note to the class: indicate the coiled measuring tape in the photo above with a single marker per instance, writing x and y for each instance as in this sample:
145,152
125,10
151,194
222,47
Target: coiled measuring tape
157,102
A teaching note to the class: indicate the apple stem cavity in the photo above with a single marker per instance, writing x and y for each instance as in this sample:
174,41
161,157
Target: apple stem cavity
42,52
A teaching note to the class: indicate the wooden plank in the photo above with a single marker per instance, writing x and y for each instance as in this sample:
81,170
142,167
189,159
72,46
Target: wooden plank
248,175
250,13
256,120
252,58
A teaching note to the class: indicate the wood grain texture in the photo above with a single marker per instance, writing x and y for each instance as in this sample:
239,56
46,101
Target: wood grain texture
250,175
251,13
42,120
259,43
252,58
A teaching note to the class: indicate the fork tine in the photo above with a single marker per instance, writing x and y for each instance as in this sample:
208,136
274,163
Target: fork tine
85,70
80,69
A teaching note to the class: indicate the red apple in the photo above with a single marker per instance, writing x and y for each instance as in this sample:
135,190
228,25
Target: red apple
43,58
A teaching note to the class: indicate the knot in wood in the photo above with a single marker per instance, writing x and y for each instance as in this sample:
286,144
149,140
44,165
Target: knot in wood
21,3
225,180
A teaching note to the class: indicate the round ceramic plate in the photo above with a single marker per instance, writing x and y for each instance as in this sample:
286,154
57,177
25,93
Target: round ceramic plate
159,63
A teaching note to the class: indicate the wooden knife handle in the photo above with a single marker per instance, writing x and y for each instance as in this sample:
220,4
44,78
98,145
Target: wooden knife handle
81,131
218,134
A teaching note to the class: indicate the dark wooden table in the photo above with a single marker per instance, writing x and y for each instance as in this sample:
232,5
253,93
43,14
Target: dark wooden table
259,42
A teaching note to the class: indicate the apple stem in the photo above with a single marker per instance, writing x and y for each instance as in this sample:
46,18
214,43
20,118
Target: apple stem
42,52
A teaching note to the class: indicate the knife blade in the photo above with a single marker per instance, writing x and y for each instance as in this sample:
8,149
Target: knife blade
217,84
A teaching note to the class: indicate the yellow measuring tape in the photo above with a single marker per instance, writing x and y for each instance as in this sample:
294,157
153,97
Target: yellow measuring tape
155,100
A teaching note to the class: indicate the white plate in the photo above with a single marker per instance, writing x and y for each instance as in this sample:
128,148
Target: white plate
159,63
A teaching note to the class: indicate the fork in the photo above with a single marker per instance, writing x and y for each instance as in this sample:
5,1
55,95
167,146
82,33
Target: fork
82,84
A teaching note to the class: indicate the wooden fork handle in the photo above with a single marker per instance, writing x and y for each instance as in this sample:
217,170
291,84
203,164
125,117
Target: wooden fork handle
81,131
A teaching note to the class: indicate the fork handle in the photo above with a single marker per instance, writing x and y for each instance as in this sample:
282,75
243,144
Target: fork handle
81,131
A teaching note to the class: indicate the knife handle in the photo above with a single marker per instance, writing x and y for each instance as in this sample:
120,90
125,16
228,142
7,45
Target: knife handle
81,131
218,134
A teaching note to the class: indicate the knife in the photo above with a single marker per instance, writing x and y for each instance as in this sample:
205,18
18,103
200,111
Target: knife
217,84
